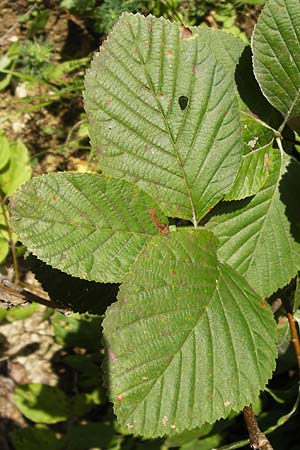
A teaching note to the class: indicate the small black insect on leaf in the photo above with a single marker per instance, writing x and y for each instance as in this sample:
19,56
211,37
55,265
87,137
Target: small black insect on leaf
183,102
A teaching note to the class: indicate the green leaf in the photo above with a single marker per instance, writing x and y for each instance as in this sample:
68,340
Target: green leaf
260,237
92,435
57,71
276,55
86,225
4,150
77,330
34,438
4,238
163,114
18,170
225,47
42,403
257,159
188,340
21,313
251,97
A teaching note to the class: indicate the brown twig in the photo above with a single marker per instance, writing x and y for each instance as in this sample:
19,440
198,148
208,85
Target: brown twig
258,439
27,296
11,239
295,338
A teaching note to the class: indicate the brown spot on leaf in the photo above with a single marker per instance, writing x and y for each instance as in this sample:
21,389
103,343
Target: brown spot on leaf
120,397
100,151
84,275
185,33
174,273
168,52
109,101
195,70
163,229
54,198
262,304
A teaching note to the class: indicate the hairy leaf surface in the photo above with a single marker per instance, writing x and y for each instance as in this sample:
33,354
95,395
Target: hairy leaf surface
257,159
275,44
86,225
225,47
163,114
188,340
260,237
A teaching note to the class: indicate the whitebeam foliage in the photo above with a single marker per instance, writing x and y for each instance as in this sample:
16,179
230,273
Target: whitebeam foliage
191,337
188,339
168,112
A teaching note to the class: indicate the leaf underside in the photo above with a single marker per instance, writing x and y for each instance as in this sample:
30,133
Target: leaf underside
188,340
260,237
164,115
276,55
86,225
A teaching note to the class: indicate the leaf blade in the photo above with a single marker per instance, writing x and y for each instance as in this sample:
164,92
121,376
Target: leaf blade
86,225
174,341
259,237
257,159
276,58
17,170
186,158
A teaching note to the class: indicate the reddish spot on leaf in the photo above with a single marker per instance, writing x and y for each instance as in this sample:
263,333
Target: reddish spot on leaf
195,69
262,304
121,397
185,33
162,227
174,272
168,52
109,101
101,151
112,356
